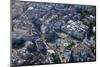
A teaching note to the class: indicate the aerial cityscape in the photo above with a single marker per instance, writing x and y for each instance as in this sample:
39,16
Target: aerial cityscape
52,33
